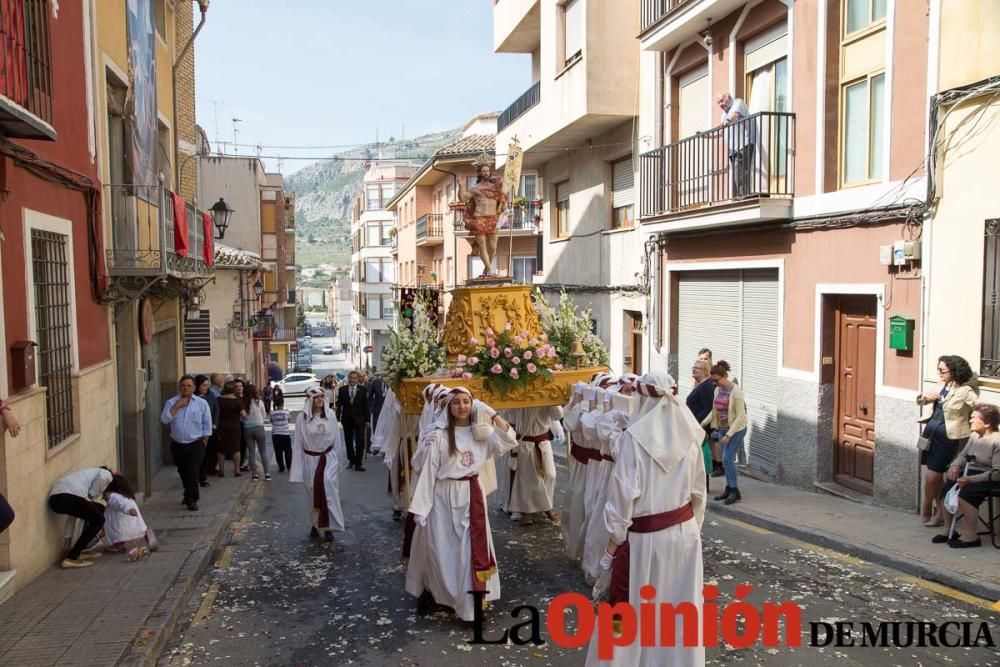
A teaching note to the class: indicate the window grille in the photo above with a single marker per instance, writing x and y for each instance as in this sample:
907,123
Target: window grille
198,335
990,360
53,331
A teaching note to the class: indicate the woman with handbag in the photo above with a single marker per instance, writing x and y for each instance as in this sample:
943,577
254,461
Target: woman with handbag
946,431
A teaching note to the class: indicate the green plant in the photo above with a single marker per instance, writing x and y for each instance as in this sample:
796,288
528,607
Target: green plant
507,361
413,351
519,202
564,324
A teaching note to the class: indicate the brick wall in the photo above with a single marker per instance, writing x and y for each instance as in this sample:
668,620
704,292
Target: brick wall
185,121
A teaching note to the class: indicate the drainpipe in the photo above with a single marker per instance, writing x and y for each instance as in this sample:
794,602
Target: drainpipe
203,7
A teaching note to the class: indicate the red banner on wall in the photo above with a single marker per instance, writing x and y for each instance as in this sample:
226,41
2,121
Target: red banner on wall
180,225
209,244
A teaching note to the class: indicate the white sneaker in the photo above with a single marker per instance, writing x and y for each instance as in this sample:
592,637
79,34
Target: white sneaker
515,516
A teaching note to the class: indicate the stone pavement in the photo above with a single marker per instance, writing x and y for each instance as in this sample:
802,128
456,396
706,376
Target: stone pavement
885,536
118,612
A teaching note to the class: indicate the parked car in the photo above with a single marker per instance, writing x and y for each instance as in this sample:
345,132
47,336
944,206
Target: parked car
295,384
328,349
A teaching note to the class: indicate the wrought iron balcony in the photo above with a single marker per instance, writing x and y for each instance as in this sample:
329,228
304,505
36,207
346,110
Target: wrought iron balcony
521,105
142,234
653,11
750,159
283,334
264,327
522,220
430,229
26,69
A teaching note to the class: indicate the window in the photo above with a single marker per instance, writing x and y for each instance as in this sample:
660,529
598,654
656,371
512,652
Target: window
860,14
524,269
622,193
373,272
53,330
374,237
864,127
160,18
562,210
470,181
372,199
388,271
377,195
386,228
198,335
475,266
524,218
572,29
379,306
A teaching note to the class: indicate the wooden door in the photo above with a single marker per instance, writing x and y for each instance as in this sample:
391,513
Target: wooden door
854,450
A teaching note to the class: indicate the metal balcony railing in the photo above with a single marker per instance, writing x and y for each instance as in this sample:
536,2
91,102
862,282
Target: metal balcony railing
523,219
142,234
530,98
751,158
264,327
429,226
283,334
26,69
653,11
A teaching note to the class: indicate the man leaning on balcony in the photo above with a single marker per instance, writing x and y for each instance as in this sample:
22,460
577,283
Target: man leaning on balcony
740,140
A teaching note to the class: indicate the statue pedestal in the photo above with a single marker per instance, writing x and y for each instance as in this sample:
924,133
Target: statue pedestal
475,309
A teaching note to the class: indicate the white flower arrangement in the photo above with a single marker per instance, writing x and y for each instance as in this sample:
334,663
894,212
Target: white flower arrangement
563,324
413,351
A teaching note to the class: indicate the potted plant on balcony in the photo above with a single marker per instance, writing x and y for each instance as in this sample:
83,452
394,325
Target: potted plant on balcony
519,202
456,205
537,202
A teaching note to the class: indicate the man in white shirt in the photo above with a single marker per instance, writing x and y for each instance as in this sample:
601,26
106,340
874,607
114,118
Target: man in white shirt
741,140
190,421
75,495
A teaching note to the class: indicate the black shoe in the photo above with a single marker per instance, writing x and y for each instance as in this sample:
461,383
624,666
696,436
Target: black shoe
724,494
717,469
328,536
940,539
192,507
959,544
204,484
221,474
734,497
281,470
425,603
397,515
313,532
360,468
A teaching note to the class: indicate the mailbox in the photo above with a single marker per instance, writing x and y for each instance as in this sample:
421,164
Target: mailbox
901,333
22,363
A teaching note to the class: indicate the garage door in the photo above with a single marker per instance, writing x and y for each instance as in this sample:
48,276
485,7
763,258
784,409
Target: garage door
735,314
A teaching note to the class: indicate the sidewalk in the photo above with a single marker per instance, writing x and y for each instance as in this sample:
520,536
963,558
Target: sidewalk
115,611
877,534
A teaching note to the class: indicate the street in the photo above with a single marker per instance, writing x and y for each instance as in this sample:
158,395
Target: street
322,364
276,597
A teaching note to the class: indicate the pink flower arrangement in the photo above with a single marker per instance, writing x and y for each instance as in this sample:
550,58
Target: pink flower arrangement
507,352
532,369
543,336
517,341
497,369
533,342
515,360
472,361
514,374
528,354
495,353
490,342
506,361
558,367
473,341
466,376
489,331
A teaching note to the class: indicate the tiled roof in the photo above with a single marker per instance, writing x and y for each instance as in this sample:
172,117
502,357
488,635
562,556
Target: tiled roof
233,258
476,143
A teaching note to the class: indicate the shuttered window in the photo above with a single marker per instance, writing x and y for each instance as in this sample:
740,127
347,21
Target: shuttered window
574,28
198,335
562,210
622,193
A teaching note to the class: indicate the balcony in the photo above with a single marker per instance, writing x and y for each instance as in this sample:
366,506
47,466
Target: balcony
430,230
25,69
665,24
522,223
517,25
283,335
142,235
264,327
747,166
530,98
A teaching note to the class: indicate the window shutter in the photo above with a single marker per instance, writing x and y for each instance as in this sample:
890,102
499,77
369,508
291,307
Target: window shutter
562,192
622,180
574,27
765,48
198,335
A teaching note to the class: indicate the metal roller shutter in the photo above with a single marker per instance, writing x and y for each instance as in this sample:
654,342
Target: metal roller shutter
622,180
735,314
574,28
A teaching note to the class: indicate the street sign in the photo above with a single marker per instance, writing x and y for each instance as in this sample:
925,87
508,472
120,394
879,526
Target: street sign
369,348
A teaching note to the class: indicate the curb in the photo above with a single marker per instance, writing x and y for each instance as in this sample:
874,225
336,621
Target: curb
866,552
981,589
150,641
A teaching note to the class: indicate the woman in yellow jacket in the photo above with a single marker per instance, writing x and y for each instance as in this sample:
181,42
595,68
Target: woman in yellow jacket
728,421
947,429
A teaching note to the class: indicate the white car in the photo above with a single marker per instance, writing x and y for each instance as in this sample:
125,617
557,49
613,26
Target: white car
328,349
295,384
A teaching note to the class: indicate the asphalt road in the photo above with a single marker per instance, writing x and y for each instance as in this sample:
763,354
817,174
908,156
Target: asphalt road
276,597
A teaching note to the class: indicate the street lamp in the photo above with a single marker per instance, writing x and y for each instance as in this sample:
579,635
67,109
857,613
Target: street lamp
221,213
258,288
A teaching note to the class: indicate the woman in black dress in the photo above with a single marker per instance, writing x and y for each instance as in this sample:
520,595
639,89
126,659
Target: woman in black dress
230,428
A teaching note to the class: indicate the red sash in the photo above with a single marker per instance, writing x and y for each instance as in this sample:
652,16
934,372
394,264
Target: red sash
408,527
484,565
544,437
649,523
579,453
319,488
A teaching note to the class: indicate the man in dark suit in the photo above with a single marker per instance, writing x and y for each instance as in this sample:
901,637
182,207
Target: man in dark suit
352,411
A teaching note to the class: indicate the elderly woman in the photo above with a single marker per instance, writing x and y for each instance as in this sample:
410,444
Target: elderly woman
450,504
983,452
314,463
947,429
728,420
654,511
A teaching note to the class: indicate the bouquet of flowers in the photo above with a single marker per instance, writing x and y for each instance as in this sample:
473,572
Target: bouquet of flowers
564,324
507,361
413,351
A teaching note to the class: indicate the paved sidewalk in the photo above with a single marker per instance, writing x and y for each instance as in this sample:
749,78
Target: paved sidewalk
116,611
877,534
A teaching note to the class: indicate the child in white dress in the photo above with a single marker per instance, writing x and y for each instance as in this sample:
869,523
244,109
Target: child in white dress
123,525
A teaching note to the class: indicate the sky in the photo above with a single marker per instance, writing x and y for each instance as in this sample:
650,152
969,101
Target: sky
335,72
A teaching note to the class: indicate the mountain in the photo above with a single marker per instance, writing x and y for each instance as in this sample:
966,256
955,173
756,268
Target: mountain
324,191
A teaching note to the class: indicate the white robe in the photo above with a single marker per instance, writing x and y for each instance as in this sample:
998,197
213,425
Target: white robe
441,557
120,526
316,435
530,491
594,494
505,466
609,427
574,509
668,559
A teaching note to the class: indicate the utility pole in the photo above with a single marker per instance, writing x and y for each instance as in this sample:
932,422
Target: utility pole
215,108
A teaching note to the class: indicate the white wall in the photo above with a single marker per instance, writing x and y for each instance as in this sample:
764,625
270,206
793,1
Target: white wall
238,181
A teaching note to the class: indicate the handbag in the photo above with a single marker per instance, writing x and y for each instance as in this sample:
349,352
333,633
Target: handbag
923,444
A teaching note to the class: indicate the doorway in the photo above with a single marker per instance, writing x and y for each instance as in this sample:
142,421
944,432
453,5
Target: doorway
632,342
854,392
